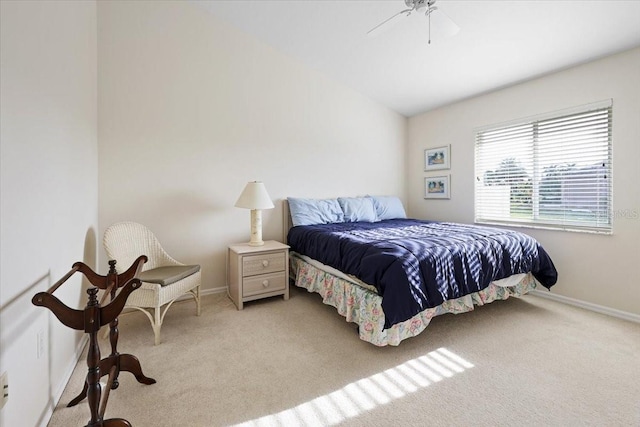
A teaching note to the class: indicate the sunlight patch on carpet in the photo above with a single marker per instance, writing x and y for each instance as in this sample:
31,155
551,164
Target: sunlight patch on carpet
368,393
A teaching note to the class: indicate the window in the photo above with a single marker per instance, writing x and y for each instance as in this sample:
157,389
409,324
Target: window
550,171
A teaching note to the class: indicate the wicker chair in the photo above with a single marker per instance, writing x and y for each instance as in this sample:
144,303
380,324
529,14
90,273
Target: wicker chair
164,279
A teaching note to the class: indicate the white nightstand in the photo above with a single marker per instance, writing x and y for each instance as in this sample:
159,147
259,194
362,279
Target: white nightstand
258,271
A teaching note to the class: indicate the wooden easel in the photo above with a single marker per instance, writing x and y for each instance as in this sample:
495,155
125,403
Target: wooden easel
91,319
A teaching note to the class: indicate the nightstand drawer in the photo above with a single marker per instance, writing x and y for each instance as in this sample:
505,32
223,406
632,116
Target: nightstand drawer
264,283
261,264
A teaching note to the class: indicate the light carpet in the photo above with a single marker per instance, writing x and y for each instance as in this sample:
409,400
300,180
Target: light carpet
521,362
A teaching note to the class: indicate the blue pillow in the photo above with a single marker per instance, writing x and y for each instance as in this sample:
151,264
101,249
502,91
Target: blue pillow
357,209
314,211
388,207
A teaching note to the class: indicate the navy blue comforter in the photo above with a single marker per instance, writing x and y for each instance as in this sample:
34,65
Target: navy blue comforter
417,265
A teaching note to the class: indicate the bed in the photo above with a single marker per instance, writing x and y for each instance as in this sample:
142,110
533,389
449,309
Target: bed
391,275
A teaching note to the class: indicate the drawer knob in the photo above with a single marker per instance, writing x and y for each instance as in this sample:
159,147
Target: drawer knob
265,283
265,263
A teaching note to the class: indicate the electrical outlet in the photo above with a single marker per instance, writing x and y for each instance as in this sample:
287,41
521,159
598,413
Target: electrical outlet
40,345
4,389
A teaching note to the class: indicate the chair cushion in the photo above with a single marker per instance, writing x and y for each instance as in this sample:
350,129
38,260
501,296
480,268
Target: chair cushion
167,275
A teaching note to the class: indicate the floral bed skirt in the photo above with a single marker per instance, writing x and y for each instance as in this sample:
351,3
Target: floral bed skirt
364,307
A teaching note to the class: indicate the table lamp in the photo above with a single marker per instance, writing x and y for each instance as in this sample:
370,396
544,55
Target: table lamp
255,197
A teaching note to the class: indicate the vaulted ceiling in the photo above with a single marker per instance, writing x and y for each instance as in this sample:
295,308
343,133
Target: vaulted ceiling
500,43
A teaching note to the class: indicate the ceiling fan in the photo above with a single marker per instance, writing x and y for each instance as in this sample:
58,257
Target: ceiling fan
429,9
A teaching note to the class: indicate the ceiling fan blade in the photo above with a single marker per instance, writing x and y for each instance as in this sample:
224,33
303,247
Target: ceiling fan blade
441,25
388,22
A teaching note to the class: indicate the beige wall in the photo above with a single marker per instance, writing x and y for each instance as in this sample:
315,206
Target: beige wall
597,269
177,111
191,109
49,179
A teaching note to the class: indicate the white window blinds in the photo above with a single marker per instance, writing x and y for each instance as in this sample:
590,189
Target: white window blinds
549,171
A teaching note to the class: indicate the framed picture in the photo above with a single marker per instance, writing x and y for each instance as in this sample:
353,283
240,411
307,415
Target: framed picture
437,158
437,187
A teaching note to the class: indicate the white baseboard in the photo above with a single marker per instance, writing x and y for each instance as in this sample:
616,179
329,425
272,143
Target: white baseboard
203,293
588,306
57,394
213,291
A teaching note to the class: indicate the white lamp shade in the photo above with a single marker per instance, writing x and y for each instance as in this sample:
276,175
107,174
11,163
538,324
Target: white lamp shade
254,196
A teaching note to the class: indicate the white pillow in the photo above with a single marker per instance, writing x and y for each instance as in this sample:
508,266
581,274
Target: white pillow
388,207
358,209
314,211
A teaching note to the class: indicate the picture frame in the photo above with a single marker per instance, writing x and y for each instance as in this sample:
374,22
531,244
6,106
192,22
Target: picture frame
437,187
437,158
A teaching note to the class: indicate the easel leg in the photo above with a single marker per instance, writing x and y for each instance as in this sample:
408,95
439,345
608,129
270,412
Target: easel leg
123,362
